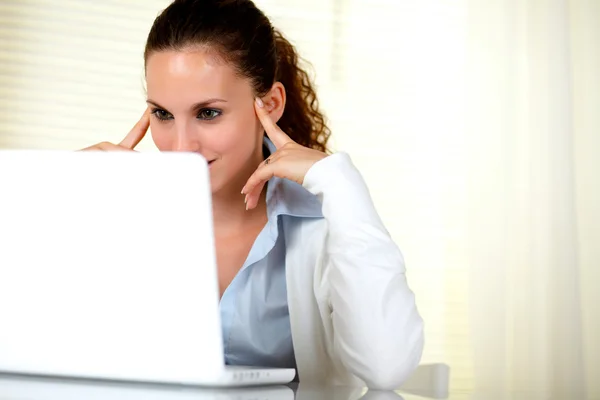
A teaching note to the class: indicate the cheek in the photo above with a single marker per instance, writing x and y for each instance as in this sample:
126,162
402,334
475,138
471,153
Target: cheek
235,137
161,137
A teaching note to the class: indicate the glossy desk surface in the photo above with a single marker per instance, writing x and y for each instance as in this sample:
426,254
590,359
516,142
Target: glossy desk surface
15,387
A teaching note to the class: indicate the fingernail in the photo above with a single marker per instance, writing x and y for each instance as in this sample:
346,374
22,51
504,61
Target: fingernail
246,199
246,206
259,102
243,189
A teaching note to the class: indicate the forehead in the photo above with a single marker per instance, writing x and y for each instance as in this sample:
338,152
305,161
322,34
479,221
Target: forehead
180,77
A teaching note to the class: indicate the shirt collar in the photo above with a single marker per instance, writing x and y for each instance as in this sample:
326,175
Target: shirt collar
285,197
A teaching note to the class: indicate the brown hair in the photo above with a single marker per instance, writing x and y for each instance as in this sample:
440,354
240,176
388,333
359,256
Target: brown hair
243,36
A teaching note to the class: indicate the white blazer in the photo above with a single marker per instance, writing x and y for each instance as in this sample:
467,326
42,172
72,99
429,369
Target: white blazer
353,317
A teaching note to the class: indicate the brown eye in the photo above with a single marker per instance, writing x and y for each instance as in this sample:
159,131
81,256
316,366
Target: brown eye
209,114
162,114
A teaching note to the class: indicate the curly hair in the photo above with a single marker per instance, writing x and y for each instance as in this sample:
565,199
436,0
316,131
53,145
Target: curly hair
244,36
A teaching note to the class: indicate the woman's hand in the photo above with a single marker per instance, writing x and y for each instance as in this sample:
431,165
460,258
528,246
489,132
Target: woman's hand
291,160
133,138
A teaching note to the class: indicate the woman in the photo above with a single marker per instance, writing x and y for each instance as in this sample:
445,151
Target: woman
309,276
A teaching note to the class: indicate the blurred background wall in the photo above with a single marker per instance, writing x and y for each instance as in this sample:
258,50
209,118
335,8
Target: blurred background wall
475,122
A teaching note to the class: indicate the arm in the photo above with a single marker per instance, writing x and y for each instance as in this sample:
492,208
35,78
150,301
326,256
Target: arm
378,333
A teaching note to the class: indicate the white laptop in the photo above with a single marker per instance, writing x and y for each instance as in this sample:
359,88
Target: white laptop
107,270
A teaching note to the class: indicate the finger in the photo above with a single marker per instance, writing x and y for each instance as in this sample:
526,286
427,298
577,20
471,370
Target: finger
254,196
91,148
266,163
277,136
262,174
105,146
137,133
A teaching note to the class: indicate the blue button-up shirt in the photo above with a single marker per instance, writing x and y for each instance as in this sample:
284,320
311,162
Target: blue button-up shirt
254,308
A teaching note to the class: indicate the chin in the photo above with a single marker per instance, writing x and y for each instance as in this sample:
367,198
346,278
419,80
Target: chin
217,183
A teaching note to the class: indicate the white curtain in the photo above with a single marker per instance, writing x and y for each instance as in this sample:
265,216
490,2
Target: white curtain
532,134
475,123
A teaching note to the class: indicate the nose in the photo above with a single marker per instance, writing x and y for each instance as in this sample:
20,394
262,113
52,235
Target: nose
185,138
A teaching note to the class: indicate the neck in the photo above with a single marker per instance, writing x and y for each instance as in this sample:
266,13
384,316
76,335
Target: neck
229,210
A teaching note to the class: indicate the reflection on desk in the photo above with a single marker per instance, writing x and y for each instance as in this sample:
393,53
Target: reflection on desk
20,387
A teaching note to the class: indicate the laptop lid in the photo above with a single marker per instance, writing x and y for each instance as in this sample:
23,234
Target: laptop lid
107,266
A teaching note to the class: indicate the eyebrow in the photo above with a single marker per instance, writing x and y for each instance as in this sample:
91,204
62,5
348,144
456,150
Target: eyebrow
195,107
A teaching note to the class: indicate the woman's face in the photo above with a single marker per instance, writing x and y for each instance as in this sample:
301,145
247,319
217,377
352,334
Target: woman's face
199,104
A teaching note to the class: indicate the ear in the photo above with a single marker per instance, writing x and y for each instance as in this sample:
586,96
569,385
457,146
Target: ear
275,101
